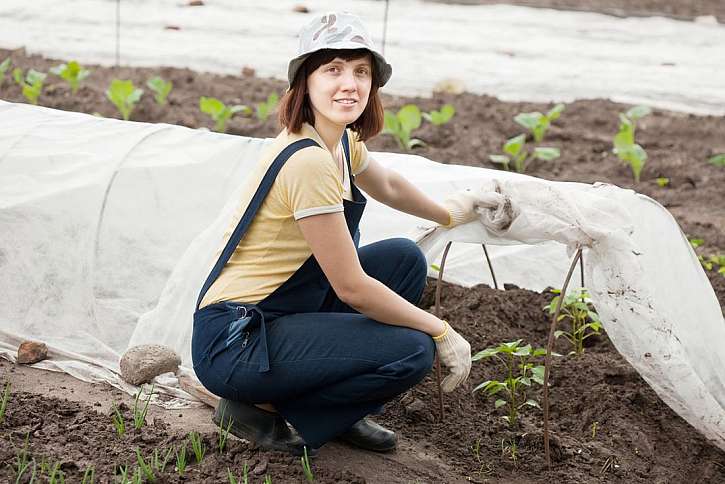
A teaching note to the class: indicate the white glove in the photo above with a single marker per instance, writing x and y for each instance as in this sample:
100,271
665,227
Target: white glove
461,207
455,353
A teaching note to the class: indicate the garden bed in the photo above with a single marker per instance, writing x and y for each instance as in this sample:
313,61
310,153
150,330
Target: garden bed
636,438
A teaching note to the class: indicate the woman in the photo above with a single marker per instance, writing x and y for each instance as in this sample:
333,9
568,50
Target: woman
295,323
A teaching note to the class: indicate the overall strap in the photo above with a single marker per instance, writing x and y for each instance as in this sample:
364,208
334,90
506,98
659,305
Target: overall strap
252,209
346,150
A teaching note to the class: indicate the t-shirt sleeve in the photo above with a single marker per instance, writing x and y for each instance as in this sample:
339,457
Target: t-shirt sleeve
358,154
309,184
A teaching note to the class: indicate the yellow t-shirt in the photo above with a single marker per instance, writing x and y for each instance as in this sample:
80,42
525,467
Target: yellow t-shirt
309,183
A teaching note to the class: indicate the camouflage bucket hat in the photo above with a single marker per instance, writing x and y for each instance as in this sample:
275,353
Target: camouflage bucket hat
337,31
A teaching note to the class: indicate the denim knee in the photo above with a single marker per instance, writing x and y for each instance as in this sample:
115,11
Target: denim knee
417,353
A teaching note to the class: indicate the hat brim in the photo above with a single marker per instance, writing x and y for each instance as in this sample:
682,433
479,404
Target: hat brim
382,68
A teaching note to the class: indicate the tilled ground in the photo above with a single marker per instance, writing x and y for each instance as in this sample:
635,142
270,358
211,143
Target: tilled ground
608,425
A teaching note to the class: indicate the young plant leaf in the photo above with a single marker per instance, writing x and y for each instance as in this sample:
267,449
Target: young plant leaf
161,89
717,160
638,112
546,154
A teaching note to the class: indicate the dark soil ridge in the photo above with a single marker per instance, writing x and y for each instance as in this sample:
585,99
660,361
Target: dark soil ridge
639,439
619,8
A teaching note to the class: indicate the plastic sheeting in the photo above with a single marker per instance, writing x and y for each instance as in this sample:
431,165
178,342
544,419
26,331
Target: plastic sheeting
514,53
109,228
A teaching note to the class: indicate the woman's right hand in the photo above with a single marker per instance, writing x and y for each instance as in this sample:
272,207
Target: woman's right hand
455,353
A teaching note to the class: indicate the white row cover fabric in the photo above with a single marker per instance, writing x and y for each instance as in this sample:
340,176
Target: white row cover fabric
108,229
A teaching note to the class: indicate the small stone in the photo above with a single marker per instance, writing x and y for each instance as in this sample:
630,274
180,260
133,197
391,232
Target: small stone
415,406
248,71
300,9
30,352
260,468
143,363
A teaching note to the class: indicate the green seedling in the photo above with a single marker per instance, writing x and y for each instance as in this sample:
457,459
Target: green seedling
158,463
22,461
197,445
137,479
181,460
4,66
223,432
123,474
56,476
32,84
595,427
435,267
584,321
243,479
220,112
538,123
695,243
160,88
717,160
4,402
401,124
520,373
267,479
663,181
147,469
73,74
624,143
511,449
305,460
118,422
439,118
124,96
89,476
519,154
139,414
710,262
265,108
44,466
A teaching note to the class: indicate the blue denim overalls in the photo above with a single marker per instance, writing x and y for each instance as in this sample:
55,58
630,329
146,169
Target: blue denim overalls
323,365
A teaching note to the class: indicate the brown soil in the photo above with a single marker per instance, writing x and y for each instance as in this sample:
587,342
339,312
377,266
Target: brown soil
684,10
638,438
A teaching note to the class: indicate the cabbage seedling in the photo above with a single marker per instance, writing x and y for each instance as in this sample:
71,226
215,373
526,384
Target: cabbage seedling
520,372
118,422
139,414
712,261
32,84
160,88
73,73
124,96
4,402
624,141
265,108
4,66
220,112
439,118
519,154
306,466
402,124
695,243
717,160
583,320
663,181
197,445
539,123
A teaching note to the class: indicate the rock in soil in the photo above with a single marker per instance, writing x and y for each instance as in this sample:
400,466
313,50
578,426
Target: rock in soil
143,363
30,352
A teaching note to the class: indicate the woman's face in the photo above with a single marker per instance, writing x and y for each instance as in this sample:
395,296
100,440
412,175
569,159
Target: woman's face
339,90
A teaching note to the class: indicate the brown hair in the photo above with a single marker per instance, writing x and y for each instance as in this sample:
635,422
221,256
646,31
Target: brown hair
295,109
